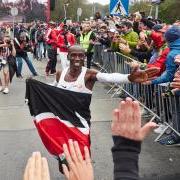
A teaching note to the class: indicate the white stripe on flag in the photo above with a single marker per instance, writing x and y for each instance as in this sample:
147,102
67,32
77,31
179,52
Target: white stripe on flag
48,115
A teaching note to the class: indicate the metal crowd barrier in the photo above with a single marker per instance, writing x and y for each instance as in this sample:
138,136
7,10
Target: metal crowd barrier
162,108
103,59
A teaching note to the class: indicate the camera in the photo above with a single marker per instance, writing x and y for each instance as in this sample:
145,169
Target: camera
3,61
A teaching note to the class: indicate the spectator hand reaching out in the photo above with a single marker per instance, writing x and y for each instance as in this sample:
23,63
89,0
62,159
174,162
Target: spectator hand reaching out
79,168
37,168
176,81
124,48
127,121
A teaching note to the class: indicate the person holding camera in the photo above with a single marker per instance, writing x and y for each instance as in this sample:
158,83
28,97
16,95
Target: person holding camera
7,51
22,47
103,37
40,40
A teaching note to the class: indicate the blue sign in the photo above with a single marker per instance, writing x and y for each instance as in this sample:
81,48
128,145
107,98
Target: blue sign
119,7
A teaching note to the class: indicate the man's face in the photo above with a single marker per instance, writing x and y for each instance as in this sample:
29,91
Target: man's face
52,26
102,30
124,29
76,58
142,26
87,28
7,40
111,34
119,29
65,28
22,38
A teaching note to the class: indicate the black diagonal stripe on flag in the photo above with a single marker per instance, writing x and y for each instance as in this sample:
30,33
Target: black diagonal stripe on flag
59,115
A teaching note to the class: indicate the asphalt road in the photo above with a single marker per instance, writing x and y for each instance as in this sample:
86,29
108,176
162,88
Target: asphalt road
19,138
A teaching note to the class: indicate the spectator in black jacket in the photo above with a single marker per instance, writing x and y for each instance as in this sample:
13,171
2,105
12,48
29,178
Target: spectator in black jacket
22,47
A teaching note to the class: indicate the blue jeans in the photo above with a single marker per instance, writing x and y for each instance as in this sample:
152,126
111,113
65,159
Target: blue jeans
40,50
28,62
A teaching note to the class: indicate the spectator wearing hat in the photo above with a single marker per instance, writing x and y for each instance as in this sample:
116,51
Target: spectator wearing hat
157,35
111,33
148,23
161,45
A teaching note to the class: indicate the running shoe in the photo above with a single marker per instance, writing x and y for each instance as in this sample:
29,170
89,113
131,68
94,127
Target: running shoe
6,91
170,140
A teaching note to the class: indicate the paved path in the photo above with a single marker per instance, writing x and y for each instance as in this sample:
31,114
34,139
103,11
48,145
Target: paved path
19,138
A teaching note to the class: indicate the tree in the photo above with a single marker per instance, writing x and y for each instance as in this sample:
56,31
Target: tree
141,7
168,10
72,7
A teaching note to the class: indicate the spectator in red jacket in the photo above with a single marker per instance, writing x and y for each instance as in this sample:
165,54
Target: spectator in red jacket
65,39
51,40
160,61
163,50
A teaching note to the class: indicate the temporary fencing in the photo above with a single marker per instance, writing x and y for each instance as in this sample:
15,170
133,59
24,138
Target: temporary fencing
153,98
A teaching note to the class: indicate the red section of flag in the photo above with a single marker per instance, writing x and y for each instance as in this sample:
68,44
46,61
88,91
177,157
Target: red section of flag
55,133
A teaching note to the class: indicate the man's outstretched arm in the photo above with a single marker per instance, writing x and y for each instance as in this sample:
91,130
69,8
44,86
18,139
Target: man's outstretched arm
136,76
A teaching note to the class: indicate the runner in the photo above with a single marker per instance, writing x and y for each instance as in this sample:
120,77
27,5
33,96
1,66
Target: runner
77,73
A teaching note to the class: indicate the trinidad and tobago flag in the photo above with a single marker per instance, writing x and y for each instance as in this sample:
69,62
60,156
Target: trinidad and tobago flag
59,115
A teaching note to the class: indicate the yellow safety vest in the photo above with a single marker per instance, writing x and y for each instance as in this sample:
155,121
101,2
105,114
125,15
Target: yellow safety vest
84,40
